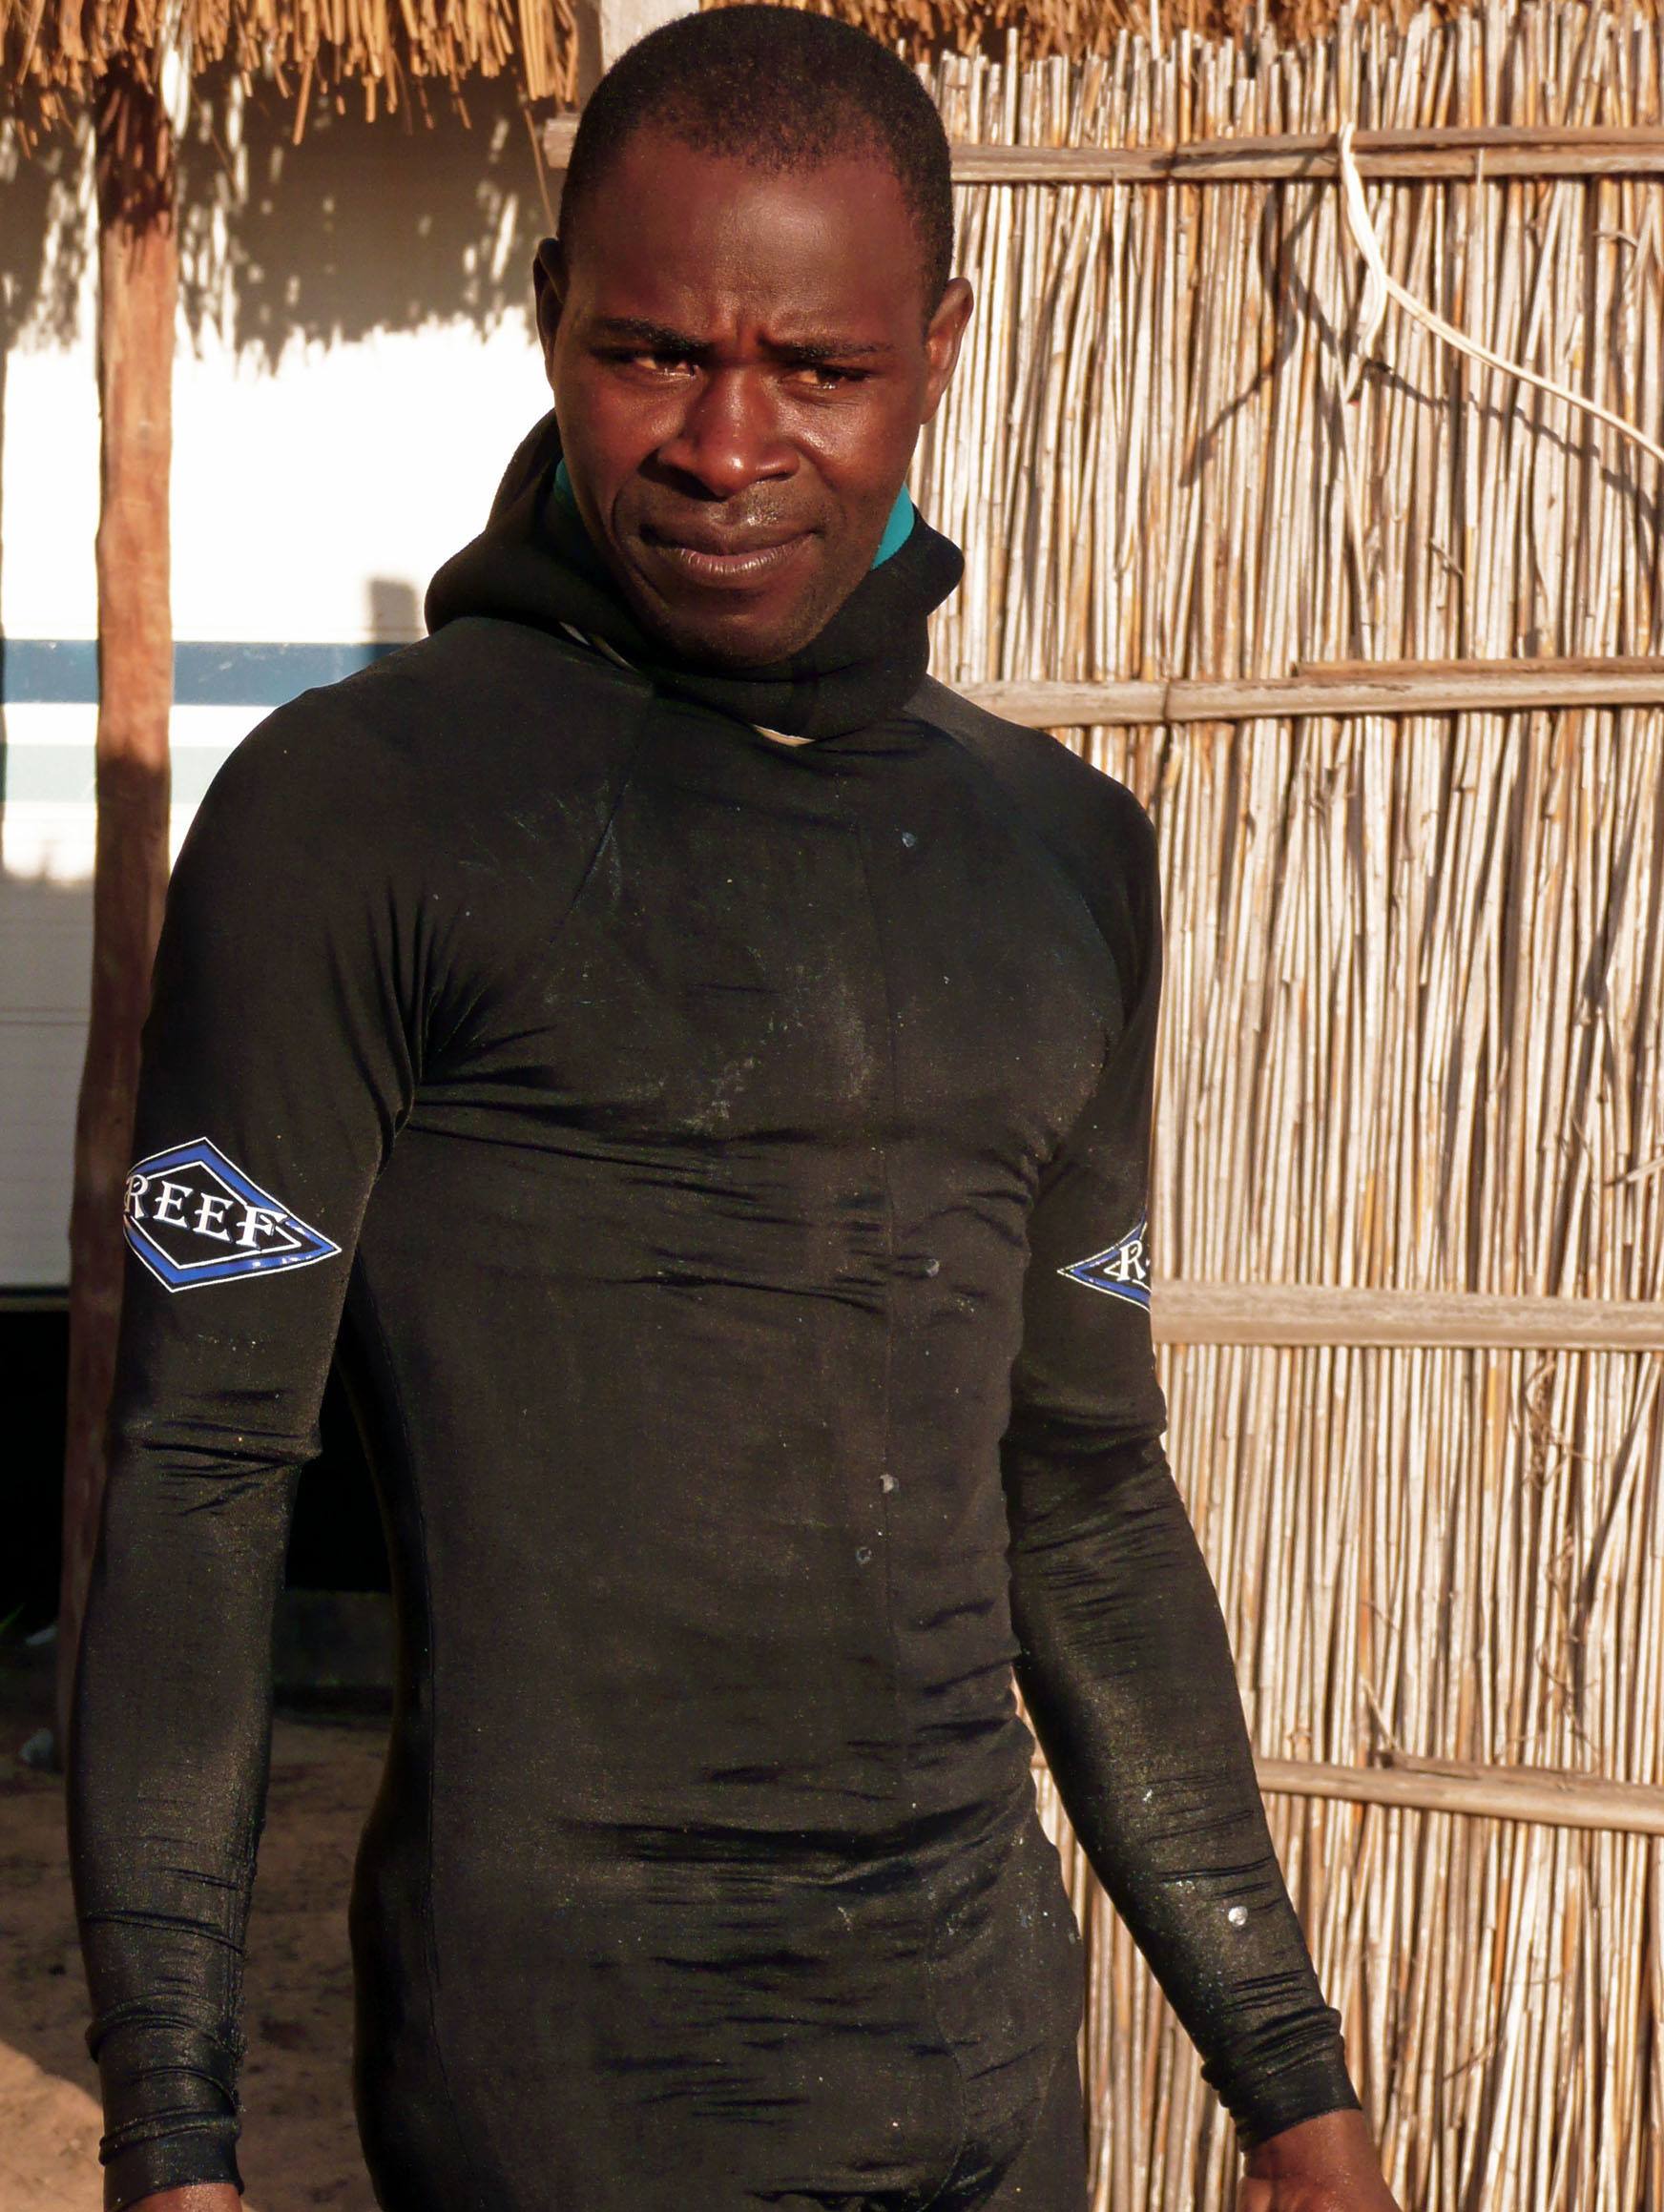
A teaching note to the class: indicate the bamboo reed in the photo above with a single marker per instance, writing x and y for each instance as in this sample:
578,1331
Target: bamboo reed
1414,1006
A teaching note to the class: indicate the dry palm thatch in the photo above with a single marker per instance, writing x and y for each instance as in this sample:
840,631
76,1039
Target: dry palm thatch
924,29
53,55
1414,1024
53,52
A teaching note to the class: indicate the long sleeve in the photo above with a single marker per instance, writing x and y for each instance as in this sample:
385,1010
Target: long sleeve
1125,1664
277,1061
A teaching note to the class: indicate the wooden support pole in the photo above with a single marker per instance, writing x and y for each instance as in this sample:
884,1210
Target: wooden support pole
605,29
137,290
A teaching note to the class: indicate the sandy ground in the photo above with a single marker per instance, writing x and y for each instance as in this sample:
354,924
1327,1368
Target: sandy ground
300,2145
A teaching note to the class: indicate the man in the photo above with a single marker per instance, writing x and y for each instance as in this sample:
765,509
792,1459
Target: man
711,1067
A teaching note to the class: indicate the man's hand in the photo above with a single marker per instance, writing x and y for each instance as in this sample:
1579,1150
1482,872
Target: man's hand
1328,2164
193,2197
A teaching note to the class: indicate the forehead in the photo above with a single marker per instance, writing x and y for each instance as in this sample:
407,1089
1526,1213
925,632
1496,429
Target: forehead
679,236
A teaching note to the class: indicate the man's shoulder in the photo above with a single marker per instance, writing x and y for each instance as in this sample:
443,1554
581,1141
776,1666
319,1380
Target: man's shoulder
473,714
483,675
1094,820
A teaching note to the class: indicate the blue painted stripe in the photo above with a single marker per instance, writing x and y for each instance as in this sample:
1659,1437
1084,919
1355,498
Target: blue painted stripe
64,671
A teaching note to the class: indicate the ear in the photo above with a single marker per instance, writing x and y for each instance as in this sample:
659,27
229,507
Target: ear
548,288
942,339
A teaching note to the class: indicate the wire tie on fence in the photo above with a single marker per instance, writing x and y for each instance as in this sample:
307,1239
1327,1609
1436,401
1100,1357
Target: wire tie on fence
1379,286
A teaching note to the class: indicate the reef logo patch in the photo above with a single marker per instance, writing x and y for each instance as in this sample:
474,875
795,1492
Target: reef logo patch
1120,1270
194,1217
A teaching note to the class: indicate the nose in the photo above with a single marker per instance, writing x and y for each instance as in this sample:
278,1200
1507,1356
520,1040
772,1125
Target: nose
730,437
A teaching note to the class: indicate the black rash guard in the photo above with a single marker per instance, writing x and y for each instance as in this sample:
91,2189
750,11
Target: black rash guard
724,1165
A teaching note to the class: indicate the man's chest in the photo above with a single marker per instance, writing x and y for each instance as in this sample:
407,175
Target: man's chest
766,946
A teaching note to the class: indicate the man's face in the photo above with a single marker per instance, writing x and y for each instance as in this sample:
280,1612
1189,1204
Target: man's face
740,364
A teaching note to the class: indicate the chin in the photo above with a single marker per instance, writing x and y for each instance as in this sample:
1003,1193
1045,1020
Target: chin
730,645
737,638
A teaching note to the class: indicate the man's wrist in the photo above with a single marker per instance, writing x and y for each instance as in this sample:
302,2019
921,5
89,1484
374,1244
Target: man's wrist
192,2197
1335,2147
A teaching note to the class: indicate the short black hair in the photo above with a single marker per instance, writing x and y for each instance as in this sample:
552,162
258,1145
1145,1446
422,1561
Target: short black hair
779,87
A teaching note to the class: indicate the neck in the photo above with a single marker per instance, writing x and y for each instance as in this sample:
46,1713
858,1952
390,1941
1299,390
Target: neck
534,564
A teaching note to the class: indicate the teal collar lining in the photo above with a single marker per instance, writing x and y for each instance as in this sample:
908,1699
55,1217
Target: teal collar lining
897,531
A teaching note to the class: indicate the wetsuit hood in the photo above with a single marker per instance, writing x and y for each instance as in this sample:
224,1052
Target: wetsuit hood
534,563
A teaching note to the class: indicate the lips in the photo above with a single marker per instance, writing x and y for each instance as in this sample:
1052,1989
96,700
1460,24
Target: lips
705,557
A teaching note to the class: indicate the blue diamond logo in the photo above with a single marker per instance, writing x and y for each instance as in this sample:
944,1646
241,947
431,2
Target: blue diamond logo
1120,1270
193,1217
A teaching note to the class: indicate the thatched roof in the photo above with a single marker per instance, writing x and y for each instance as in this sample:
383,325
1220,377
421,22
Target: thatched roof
1045,27
53,51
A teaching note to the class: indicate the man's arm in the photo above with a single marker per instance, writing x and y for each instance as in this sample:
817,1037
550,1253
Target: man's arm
279,1060
1125,1664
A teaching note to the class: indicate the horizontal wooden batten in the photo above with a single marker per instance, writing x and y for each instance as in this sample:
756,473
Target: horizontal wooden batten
1306,1313
1548,1796
1490,152
1554,1798
1603,665
1390,687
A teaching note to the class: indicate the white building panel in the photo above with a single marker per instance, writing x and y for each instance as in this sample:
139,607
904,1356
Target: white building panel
356,363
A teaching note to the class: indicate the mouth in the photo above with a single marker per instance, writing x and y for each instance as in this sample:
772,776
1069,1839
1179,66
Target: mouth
730,562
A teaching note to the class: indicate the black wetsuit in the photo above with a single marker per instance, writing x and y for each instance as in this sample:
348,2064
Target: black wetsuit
698,1133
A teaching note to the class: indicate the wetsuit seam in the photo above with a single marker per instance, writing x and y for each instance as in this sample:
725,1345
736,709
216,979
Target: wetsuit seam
933,1947
429,1942
625,776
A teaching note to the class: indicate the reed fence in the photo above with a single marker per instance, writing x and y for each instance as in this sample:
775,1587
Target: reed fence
1411,1155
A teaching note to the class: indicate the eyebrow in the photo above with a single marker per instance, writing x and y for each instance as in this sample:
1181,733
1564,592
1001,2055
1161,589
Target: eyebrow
660,338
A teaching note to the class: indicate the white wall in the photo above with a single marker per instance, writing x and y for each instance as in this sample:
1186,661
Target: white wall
356,364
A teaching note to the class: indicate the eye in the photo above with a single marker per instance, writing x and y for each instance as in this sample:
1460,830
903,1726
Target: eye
824,377
648,361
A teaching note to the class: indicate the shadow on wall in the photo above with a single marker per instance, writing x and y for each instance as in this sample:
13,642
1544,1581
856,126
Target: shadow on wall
417,218
44,242
427,216
393,608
